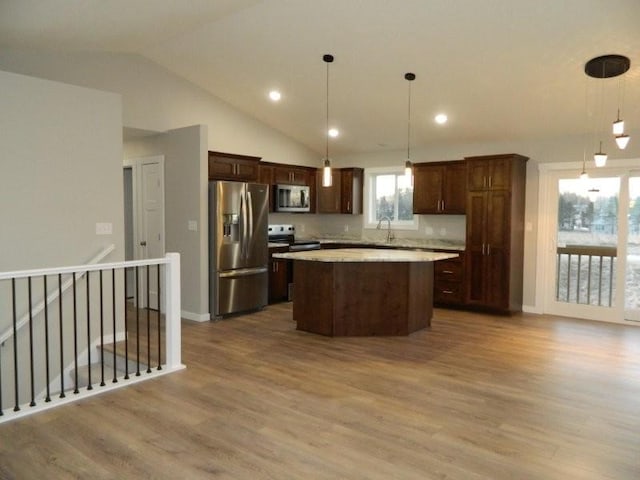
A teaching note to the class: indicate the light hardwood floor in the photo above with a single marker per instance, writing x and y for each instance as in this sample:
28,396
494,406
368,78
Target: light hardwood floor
473,397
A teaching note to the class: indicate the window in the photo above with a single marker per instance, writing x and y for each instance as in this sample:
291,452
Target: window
389,194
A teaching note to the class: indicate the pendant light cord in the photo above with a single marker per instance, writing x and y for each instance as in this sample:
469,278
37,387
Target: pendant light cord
409,77
409,126
326,132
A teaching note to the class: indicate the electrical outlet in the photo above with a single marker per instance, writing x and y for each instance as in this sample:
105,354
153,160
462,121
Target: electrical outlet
428,230
443,231
346,228
104,228
302,227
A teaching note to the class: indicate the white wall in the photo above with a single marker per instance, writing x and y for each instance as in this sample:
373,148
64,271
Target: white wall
60,173
186,194
157,100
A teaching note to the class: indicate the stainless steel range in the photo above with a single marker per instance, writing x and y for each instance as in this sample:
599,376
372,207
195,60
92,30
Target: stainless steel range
287,234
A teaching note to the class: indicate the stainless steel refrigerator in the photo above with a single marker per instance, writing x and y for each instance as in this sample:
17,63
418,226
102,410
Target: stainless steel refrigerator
238,247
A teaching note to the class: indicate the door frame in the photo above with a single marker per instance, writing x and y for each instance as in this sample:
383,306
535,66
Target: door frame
549,173
135,164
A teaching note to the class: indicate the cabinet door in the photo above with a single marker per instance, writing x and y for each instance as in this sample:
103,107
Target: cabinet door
278,280
498,231
477,174
427,188
229,166
454,189
476,247
290,175
500,174
352,182
329,200
221,169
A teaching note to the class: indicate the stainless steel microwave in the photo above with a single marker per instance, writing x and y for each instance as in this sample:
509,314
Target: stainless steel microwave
292,198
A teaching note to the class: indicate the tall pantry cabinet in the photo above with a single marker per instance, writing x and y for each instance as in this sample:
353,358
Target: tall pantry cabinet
495,231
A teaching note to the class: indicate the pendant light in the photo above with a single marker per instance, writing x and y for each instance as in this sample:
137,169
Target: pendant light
408,167
600,157
608,66
326,169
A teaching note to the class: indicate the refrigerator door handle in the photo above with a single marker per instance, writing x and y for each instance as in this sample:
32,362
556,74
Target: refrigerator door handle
250,220
242,272
243,227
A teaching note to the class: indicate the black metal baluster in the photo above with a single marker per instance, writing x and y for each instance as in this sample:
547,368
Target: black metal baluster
62,395
137,325
158,316
15,346
75,336
558,279
611,273
148,326
578,279
46,338
113,314
569,278
33,387
126,328
89,387
102,384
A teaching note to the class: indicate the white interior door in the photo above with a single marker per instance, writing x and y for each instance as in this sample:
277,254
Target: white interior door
152,219
149,231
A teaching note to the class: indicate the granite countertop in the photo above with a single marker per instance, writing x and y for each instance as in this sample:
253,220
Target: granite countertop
365,255
438,244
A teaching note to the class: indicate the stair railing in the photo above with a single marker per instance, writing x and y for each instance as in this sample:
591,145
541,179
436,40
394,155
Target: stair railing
8,333
61,337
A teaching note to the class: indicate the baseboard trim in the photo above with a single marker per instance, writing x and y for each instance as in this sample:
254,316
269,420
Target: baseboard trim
531,309
196,317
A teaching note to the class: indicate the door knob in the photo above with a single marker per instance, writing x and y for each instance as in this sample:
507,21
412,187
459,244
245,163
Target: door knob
143,243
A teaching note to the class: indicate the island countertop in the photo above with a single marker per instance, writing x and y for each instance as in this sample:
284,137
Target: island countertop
365,255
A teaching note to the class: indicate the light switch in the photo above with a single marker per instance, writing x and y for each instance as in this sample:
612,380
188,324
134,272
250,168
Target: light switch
104,228
192,225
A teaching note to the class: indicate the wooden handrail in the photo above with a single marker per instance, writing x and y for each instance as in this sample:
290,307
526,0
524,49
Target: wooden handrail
592,250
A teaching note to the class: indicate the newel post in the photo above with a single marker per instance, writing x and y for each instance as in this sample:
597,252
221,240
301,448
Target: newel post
172,311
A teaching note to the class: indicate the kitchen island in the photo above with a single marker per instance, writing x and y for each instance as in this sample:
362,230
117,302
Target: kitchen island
362,291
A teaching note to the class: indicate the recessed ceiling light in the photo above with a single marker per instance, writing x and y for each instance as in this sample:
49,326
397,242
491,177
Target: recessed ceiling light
334,132
275,95
441,119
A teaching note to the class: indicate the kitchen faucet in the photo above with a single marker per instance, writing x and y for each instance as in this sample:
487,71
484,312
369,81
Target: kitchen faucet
390,235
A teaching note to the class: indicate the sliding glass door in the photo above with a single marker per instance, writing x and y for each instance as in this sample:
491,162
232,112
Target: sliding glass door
632,274
593,265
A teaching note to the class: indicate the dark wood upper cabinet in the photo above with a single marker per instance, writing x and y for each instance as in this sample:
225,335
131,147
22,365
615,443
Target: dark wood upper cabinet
329,198
291,175
440,187
230,166
351,191
345,193
495,231
490,173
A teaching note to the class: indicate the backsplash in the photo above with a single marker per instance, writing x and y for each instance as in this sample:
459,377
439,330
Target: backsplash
431,227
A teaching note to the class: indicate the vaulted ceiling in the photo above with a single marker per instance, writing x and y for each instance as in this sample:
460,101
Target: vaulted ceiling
500,69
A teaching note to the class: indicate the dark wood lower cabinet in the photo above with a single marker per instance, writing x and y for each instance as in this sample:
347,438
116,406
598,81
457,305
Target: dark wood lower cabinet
279,277
362,298
448,282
